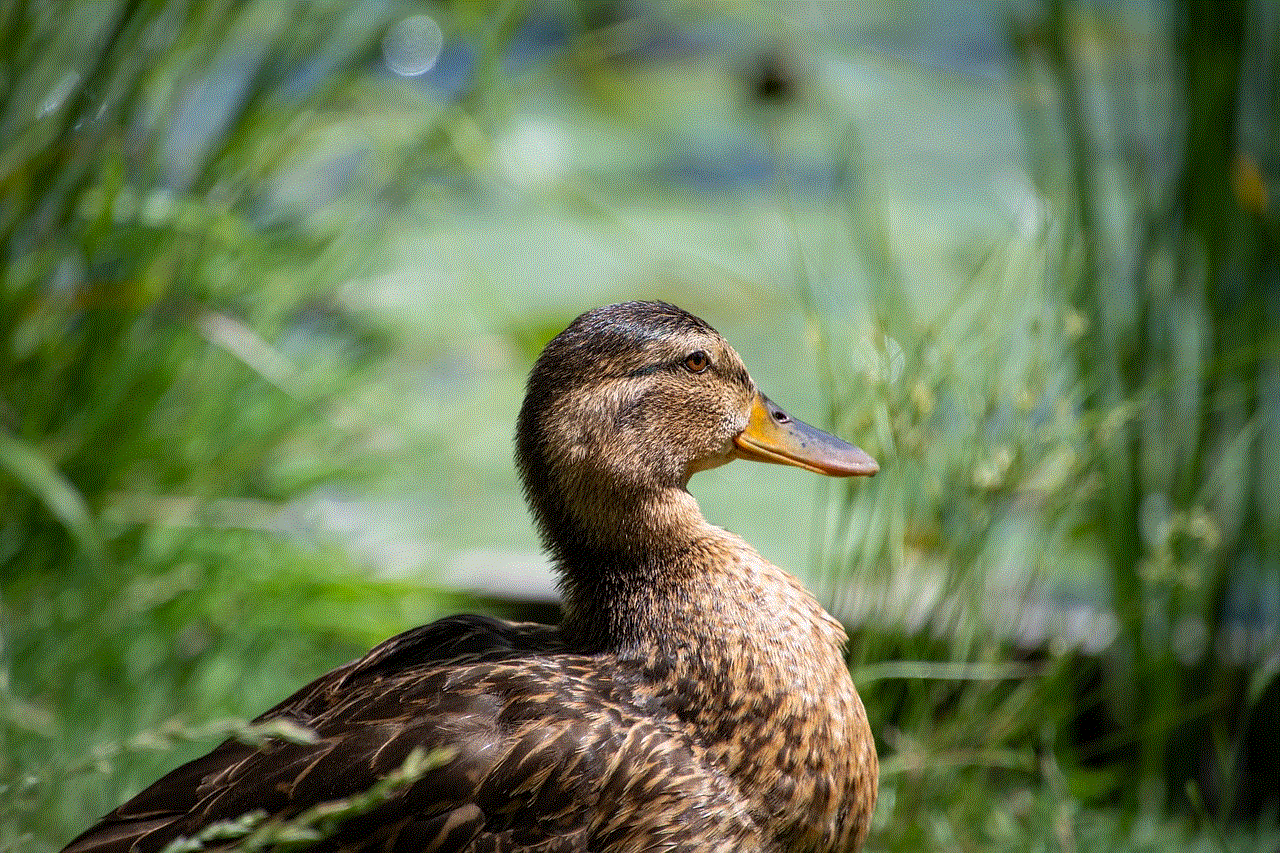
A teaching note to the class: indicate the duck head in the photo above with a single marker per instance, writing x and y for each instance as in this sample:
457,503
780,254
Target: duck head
629,401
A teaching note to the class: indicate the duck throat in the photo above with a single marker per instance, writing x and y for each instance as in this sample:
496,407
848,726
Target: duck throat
608,527
622,564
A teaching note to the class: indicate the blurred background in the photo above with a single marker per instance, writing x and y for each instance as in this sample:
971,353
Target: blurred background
274,273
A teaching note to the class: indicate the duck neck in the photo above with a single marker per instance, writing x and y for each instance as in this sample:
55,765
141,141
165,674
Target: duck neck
620,560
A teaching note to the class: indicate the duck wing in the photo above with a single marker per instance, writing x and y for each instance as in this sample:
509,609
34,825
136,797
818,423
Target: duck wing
549,751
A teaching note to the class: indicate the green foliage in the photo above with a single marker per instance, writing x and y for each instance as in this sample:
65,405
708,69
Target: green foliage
174,370
1113,431
1169,256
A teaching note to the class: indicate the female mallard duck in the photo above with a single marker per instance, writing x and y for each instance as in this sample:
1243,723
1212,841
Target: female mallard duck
695,697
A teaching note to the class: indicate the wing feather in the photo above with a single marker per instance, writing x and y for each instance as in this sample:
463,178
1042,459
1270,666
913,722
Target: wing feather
549,753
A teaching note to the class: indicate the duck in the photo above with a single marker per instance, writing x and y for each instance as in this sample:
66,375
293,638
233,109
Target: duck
693,697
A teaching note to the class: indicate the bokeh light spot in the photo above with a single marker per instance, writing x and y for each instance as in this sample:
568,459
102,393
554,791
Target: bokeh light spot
412,46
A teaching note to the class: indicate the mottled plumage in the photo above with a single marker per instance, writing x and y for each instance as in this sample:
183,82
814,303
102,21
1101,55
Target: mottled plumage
694,698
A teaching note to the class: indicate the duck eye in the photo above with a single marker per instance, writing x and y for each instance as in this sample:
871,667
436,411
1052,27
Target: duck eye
697,361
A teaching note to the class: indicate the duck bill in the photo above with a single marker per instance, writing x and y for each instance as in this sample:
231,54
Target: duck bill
774,436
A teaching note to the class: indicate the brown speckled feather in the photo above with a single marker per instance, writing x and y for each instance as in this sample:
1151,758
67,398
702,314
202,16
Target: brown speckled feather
556,752
695,697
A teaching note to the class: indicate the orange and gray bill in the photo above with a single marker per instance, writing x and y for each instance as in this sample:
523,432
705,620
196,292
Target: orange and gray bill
774,436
